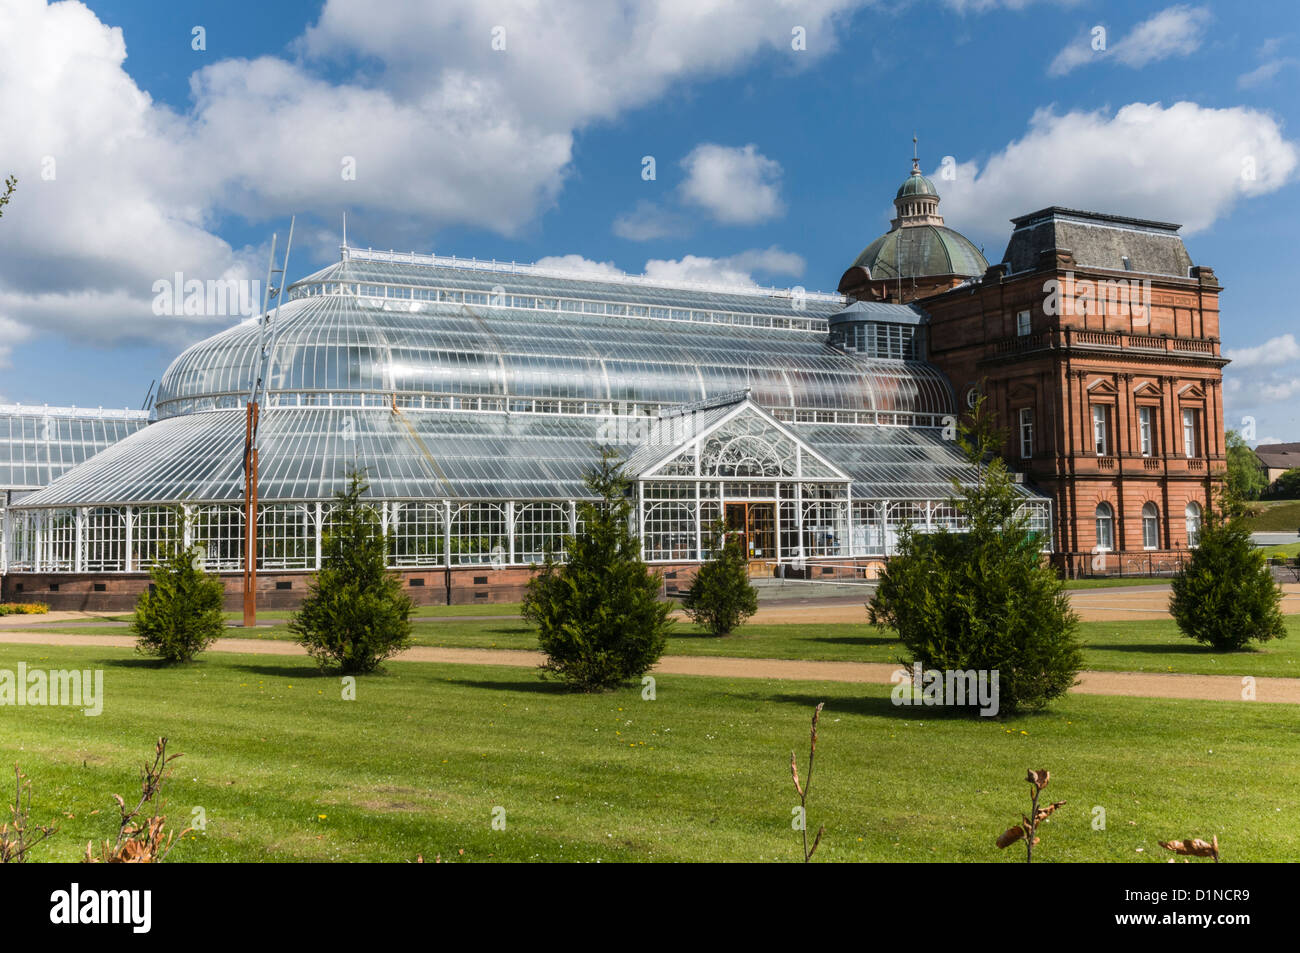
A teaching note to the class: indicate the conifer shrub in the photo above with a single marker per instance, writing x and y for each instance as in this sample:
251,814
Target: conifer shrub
182,614
1224,595
597,610
721,597
355,614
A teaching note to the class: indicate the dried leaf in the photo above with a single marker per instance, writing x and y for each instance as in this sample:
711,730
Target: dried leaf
794,773
1194,847
1039,778
1010,836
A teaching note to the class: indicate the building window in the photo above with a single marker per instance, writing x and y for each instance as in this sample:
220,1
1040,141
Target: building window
1026,432
1105,528
1145,431
1150,526
1189,433
1192,515
1023,324
1101,429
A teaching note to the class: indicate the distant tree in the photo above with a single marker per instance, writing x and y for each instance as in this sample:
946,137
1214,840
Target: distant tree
181,615
355,615
598,614
1287,486
721,598
10,184
1225,595
1245,477
983,598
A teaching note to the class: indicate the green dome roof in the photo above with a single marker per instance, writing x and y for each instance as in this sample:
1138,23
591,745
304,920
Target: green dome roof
925,250
916,184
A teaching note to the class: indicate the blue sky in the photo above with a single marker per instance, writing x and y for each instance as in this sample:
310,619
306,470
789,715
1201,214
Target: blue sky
772,164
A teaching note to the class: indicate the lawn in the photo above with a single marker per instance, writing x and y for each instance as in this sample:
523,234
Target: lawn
1141,646
286,770
1280,517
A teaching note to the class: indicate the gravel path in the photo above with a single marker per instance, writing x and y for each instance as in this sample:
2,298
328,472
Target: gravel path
1137,684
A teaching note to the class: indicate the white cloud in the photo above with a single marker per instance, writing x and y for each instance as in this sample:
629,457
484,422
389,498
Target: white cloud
648,221
1274,351
1265,72
576,264
738,269
1184,163
1174,31
736,186
443,130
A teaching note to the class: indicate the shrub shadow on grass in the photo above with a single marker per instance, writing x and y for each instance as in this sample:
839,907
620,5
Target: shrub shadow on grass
1157,648
859,640
537,686
882,706
296,669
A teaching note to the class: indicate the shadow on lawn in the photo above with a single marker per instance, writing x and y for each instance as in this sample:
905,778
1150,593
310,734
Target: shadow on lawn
536,686
1163,648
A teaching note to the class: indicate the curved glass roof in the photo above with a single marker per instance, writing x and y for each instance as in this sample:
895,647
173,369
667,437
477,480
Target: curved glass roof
307,453
357,343
469,381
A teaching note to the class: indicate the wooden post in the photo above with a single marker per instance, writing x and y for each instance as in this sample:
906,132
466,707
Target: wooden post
250,516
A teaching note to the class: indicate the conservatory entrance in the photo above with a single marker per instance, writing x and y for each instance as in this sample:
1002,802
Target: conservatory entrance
755,524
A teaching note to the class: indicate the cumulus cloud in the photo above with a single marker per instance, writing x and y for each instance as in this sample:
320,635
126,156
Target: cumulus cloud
648,221
736,186
406,112
738,269
1279,350
1174,31
1183,163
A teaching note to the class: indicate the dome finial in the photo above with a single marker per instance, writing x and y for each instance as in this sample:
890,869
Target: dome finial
916,163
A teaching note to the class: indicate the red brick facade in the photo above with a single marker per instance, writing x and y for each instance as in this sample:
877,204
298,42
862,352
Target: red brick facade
1127,366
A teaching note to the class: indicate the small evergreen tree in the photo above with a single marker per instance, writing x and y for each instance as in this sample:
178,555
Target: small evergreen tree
598,614
1224,595
983,598
182,614
355,615
721,598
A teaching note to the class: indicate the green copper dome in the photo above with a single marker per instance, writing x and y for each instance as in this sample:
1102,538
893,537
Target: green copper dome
916,184
917,251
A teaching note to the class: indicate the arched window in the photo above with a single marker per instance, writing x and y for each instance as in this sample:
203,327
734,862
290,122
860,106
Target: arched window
1192,514
1150,526
1105,528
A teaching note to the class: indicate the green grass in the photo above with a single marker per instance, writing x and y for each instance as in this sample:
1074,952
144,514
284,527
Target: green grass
1288,550
286,770
1141,646
1282,516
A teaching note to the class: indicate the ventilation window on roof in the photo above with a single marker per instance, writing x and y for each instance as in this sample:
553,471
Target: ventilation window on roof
1128,265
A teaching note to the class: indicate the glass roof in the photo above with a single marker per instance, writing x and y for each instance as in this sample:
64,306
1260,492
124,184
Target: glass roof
345,343
307,453
38,444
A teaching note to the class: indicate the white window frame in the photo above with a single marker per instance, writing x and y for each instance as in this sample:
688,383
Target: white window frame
1105,520
1150,526
1026,432
1024,324
1101,429
1146,431
1189,432
1192,514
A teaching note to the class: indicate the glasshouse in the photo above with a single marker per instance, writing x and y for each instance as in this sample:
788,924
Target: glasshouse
475,396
